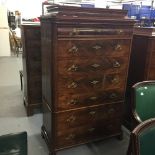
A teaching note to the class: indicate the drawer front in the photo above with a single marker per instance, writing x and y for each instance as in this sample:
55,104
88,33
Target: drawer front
80,85
83,32
88,133
72,101
90,48
79,117
86,67
33,33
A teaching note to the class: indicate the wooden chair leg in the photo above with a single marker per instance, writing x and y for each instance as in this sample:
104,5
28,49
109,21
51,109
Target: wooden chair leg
21,79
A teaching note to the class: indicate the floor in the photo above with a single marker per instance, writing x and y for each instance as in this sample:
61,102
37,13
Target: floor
13,117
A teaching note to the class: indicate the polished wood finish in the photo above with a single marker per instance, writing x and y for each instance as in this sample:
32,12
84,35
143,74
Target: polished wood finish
84,72
142,65
31,59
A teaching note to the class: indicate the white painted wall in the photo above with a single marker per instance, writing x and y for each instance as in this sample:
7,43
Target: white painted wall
4,33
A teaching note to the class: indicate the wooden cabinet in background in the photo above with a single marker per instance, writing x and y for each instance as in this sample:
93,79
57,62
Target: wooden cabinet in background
85,56
31,58
142,64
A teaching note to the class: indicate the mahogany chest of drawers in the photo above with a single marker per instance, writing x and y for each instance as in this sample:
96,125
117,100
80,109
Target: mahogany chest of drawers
142,64
31,58
85,55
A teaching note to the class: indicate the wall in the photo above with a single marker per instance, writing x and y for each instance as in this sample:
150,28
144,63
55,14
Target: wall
4,32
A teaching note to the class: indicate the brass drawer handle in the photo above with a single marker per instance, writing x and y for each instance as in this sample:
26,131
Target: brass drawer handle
95,65
92,113
113,95
70,137
116,64
71,119
73,49
91,129
97,47
118,47
94,82
73,68
93,98
73,101
72,85
115,80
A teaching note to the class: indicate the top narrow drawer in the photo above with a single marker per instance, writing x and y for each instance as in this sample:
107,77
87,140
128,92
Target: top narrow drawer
75,32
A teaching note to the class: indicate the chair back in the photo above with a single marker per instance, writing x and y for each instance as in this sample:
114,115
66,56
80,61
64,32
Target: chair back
13,144
144,99
142,138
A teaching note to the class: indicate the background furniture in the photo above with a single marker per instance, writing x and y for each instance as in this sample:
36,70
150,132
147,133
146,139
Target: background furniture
84,69
31,58
142,64
143,96
14,144
142,139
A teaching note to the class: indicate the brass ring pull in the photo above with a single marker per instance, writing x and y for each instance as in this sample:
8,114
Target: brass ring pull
73,101
73,49
72,85
97,47
95,65
73,68
91,129
93,98
116,64
94,82
71,119
70,137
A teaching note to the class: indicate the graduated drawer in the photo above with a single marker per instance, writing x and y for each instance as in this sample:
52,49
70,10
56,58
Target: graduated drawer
91,83
73,100
87,66
86,133
90,48
78,117
32,33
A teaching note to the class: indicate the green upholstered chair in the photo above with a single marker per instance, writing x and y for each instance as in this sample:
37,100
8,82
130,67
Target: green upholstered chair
143,102
13,144
142,139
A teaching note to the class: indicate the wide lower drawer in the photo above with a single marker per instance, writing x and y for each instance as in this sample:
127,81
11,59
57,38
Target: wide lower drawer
86,67
77,117
91,83
86,133
91,48
73,100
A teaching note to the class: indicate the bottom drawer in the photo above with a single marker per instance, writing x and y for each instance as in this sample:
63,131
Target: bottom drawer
83,134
